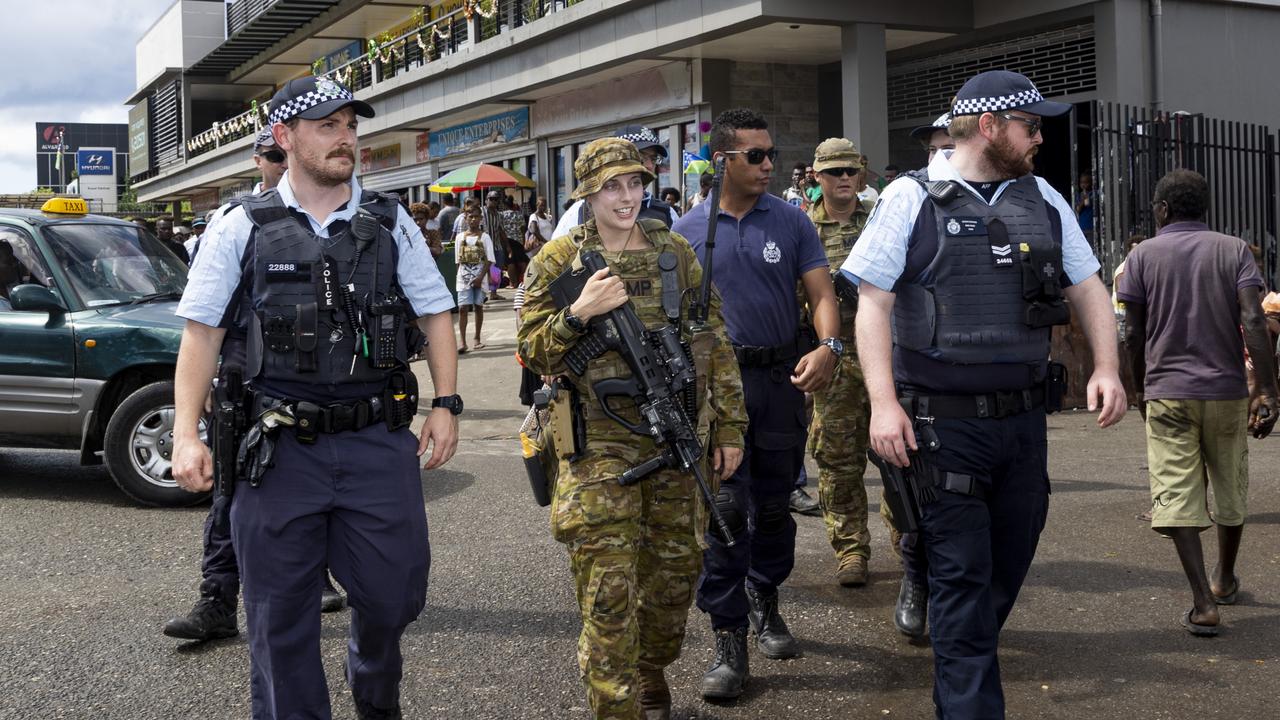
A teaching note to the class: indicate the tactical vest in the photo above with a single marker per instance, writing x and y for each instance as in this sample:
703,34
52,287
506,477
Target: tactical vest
471,254
311,295
982,298
838,240
645,287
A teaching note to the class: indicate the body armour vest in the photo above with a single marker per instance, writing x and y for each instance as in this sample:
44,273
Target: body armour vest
316,304
471,253
975,303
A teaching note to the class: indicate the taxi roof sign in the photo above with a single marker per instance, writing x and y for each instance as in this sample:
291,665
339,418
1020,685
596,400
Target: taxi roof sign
65,206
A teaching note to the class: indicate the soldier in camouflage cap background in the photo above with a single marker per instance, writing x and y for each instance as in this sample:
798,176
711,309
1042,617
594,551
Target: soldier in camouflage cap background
634,550
838,432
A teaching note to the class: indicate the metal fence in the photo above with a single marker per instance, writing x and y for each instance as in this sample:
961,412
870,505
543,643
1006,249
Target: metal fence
1133,148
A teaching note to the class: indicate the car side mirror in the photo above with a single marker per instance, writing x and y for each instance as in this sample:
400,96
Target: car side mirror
35,297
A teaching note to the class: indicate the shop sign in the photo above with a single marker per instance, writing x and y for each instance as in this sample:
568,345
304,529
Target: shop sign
422,147
139,139
379,158
480,134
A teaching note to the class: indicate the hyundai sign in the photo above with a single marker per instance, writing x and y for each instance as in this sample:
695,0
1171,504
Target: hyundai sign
97,169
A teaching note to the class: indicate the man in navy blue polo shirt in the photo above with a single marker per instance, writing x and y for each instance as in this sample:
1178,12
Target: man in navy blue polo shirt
763,247
971,264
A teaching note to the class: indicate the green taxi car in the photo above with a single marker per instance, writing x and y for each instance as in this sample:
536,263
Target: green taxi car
89,342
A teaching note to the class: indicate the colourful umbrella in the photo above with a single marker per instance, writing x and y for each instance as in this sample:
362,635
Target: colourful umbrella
479,176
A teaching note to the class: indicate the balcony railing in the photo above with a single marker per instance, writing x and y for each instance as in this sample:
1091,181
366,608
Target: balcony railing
386,57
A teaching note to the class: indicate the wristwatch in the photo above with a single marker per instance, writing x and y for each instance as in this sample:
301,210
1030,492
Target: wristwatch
452,402
575,323
834,343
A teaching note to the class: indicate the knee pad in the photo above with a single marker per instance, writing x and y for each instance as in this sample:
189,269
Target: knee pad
731,510
772,517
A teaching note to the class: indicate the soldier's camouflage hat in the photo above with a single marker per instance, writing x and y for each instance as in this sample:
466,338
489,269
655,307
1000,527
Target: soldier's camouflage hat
837,153
603,160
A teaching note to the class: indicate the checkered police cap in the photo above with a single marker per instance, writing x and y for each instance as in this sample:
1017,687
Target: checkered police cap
998,90
313,98
642,137
265,139
924,132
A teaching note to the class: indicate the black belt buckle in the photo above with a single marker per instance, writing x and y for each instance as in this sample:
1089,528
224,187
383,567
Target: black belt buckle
1008,404
342,417
309,420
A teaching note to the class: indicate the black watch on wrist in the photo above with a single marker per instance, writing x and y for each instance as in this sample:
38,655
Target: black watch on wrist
575,323
452,402
835,344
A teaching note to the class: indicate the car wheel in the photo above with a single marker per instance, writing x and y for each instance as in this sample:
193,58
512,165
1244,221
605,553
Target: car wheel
138,448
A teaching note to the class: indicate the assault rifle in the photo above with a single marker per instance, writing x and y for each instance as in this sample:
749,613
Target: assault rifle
661,385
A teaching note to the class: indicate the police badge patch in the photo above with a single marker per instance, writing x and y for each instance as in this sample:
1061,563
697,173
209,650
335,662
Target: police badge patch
771,252
325,86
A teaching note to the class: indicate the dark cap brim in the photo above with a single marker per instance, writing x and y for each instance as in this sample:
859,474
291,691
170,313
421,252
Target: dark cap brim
924,132
329,107
1045,108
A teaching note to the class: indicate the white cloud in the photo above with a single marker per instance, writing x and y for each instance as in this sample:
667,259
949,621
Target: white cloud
81,59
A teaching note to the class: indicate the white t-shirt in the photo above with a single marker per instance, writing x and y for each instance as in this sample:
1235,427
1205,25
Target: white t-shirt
468,272
543,225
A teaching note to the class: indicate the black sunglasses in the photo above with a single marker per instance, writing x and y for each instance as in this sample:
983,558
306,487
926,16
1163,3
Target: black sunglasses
1033,126
272,156
841,171
755,156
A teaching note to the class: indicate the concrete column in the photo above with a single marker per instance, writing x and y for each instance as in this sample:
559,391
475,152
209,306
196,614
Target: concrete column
1123,49
864,88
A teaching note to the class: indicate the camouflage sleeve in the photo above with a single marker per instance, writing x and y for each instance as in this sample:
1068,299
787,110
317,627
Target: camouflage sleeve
544,337
724,381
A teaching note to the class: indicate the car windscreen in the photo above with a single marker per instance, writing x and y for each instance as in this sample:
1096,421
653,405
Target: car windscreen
115,264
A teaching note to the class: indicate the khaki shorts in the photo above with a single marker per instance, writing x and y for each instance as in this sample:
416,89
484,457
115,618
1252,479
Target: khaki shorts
1192,444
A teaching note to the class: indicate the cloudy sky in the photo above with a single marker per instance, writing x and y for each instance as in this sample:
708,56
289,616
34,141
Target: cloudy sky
66,61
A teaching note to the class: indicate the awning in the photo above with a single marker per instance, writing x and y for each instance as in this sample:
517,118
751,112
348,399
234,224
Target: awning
395,178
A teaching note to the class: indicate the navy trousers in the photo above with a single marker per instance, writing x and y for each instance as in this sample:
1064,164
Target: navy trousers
353,499
979,552
218,568
764,553
915,560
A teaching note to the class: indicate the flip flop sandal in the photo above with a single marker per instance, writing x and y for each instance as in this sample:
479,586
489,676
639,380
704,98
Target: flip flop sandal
1231,597
1197,629
478,346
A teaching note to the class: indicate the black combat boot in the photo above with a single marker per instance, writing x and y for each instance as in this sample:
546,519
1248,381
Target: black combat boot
729,672
913,606
365,711
655,696
772,636
211,618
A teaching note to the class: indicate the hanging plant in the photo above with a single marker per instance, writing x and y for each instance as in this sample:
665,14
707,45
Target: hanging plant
317,67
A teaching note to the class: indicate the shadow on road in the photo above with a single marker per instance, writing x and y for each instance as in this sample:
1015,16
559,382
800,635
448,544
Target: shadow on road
437,484
506,622
1094,576
57,475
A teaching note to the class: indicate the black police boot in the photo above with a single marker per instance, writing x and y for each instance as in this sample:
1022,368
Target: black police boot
913,606
655,696
211,618
365,711
330,599
803,503
772,636
729,672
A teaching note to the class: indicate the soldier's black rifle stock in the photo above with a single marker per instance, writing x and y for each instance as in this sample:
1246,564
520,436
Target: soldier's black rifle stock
230,420
662,382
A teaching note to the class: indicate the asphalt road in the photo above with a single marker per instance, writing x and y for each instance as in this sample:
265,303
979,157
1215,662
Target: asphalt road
87,579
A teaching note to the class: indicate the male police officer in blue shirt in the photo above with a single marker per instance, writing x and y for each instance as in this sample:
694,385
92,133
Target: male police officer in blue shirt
329,278
971,262
763,247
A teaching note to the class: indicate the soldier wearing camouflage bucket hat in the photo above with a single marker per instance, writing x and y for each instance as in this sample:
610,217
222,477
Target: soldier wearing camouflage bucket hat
634,550
838,431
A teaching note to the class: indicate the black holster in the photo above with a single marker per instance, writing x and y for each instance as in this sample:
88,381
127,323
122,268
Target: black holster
900,492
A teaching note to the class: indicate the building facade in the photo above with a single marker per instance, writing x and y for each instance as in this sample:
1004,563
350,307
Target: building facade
526,83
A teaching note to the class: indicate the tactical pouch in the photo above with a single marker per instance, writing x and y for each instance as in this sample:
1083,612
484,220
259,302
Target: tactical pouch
1055,387
400,400
1041,288
308,417
279,333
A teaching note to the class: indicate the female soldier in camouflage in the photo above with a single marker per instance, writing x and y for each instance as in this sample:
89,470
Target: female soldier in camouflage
634,550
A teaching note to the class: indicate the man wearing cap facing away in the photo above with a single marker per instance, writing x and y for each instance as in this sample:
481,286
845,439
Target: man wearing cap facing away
652,152
634,549
972,263
332,279
838,431
214,614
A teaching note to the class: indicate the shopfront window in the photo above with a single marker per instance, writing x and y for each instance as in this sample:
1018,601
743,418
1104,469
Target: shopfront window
664,166
563,159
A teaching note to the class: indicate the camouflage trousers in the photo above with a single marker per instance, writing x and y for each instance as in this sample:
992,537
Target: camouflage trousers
838,440
635,559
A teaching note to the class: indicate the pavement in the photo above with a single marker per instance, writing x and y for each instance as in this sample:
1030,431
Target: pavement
87,579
